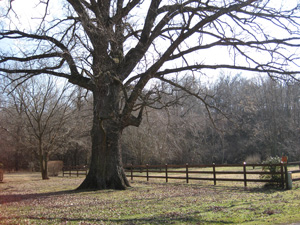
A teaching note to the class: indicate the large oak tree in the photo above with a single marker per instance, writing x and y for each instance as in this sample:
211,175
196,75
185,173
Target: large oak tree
114,48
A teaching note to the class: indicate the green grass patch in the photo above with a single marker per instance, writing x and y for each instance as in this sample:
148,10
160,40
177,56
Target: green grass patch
26,199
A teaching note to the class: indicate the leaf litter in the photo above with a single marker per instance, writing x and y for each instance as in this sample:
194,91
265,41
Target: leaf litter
55,202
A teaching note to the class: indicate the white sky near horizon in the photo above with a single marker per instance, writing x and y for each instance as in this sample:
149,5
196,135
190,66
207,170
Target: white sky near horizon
28,11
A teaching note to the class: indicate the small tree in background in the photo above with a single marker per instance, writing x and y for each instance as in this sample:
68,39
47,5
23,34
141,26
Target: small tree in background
43,109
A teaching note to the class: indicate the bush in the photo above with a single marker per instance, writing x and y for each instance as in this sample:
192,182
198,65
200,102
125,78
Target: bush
275,179
54,167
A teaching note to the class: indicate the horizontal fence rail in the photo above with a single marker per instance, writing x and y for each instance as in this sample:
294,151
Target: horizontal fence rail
212,171
294,172
75,170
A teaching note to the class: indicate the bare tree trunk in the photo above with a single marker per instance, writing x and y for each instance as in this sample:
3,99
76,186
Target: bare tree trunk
106,168
44,166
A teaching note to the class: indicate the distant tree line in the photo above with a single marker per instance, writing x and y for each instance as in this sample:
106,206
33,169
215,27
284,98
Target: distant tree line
241,120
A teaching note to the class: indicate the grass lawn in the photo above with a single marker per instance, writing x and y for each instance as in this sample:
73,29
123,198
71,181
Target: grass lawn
26,199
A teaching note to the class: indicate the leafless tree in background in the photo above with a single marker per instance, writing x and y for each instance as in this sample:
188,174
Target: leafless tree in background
77,140
38,111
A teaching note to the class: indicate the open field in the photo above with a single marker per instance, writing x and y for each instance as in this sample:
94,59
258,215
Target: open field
26,199
223,173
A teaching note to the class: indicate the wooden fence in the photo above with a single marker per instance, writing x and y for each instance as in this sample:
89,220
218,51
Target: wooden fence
75,170
212,172
294,172
194,172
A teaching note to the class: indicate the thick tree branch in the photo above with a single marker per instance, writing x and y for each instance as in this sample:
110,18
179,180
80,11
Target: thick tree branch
181,37
74,75
288,42
260,69
15,34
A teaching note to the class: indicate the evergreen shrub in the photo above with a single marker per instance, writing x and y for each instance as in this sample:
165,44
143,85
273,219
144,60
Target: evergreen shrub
275,179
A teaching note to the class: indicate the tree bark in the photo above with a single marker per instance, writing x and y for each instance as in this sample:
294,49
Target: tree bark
44,165
106,168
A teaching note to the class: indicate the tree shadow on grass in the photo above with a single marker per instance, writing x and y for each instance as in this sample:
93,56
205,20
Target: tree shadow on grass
221,187
161,219
239,189
10,198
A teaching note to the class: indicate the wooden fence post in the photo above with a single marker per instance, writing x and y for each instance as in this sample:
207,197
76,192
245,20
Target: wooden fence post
147,172
214,172
245,175
166,173
286,176
187,172
131,172
282,175
77,168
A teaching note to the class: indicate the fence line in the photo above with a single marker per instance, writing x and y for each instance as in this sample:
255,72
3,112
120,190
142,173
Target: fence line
75,170
188,173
